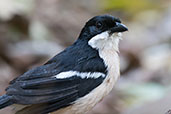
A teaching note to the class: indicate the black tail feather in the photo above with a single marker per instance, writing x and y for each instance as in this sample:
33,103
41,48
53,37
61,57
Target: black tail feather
5,101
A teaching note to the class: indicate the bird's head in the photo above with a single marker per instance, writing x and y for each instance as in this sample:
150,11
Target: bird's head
103,32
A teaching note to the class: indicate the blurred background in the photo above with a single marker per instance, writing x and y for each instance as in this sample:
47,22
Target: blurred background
32,31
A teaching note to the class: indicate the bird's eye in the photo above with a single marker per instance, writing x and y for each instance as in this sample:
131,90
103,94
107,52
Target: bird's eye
99,25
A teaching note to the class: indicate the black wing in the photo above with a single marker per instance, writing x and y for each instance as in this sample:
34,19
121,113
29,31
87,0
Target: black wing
51,93
45,93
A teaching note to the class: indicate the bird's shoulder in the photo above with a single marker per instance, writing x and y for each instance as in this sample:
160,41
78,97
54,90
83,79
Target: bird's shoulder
78,57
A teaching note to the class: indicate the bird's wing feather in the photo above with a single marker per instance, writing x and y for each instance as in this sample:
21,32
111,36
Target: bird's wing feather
44,91
51,93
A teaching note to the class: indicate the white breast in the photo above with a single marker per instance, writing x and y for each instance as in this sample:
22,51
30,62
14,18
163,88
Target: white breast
110,57
86,103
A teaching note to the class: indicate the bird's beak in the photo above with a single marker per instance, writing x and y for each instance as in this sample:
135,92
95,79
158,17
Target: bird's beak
118,28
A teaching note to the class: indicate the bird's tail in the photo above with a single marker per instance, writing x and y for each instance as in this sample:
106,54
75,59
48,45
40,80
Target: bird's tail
5,101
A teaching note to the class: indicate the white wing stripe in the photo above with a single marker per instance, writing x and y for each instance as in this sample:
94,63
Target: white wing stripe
83,75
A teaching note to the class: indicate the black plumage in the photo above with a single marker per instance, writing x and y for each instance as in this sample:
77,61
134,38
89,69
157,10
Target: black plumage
78,57
40,86
40,89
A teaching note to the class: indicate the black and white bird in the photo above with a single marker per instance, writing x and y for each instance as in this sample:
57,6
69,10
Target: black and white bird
76,79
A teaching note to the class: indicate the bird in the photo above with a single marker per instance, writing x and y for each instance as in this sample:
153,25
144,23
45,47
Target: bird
74,80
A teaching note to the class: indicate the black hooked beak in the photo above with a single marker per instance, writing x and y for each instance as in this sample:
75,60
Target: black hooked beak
118,28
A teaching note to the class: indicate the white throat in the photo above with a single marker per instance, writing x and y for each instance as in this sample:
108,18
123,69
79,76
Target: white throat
105,41
107,47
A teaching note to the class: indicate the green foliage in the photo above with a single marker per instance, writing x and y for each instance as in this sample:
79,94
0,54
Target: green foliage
131,6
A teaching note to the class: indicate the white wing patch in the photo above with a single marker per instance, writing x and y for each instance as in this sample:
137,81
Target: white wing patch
83,75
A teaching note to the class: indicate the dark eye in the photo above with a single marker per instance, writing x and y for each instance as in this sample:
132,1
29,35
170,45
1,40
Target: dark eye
99,25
